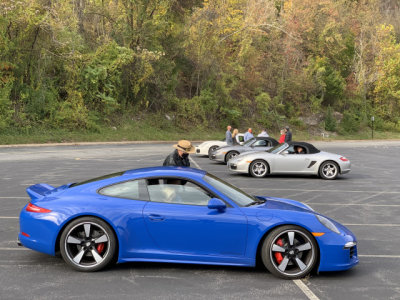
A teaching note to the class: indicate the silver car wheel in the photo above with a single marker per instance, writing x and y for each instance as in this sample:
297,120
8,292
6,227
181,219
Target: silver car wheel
290,252
231,155
258,168
329,170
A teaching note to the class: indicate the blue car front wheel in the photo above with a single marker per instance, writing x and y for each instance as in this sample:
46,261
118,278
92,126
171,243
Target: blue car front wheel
88,244
289,252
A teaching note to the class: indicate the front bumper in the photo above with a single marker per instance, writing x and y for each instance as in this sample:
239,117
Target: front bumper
337,252
217,157
201,151
242,167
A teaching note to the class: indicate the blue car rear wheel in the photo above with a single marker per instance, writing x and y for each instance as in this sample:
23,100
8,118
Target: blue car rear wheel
88,244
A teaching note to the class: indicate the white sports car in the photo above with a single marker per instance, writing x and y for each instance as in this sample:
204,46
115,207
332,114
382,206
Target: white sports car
207,147
291,158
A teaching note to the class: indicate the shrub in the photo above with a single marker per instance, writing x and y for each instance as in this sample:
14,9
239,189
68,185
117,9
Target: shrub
330,121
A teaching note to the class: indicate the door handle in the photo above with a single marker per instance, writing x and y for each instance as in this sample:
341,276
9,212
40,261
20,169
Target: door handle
154,217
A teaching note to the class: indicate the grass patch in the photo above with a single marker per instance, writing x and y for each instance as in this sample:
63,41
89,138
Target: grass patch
156,128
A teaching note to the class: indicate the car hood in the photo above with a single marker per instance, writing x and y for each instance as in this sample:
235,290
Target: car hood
284,204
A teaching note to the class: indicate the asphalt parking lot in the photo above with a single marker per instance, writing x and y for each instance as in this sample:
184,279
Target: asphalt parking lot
367,200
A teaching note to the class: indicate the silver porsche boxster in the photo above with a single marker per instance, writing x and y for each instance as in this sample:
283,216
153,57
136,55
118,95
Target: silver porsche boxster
225,153
291,158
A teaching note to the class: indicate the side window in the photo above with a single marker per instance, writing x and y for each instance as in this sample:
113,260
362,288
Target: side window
260,143
135,189
178,191
290,149
240,138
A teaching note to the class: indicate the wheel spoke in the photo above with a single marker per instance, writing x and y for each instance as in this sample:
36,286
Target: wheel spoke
96,256
291,237
283,264
304,247
79,256
73,240
87,229
301,265
101,239
277,248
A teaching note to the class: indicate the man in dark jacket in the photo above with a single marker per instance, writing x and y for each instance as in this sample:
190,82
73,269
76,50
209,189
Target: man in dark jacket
288,136
180,156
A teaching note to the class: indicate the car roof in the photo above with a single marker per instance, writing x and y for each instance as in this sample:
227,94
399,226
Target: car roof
310,148
166,171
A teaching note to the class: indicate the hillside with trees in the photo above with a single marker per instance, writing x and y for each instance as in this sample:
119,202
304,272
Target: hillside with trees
87,64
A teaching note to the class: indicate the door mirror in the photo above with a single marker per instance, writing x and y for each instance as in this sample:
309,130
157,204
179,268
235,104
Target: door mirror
216,203
285,152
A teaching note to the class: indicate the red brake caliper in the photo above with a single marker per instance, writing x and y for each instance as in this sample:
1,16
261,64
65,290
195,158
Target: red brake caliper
278,255
100,247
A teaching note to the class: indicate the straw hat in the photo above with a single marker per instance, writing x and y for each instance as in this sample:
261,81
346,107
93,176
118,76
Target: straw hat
185,146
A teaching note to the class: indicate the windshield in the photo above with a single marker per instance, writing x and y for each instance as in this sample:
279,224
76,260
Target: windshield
233,193
249,142
278,148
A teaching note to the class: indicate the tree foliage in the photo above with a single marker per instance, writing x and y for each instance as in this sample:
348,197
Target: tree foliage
84,63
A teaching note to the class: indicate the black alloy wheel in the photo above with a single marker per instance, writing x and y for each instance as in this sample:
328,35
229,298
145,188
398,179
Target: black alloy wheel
88,244
290,252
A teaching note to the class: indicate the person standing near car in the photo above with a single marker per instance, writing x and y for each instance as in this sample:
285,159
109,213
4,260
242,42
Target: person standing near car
234,136
288,136
282,137
264,133
248,135
228,135
180,156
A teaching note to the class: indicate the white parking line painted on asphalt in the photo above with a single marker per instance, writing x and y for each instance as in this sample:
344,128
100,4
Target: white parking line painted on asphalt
378,256
377,225
310,295
195,163
333,191
3,217
13,249
353,204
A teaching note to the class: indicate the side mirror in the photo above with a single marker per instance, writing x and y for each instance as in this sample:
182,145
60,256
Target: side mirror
285,152
217,204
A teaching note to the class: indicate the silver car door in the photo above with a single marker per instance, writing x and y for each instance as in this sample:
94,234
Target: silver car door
288,162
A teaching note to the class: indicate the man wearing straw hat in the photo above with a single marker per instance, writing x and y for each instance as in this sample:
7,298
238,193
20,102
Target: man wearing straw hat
180,156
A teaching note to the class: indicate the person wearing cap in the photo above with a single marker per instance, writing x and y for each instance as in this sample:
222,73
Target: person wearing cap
180,156
288,136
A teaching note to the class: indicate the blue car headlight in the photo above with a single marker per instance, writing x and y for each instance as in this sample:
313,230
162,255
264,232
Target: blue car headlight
328,224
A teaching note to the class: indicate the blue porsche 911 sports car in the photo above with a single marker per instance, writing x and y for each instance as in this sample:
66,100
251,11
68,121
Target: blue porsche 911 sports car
180,215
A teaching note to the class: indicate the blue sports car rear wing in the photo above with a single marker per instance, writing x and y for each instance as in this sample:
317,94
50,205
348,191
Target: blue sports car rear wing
39,190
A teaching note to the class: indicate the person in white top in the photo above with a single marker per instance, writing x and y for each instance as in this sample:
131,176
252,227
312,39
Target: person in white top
264,133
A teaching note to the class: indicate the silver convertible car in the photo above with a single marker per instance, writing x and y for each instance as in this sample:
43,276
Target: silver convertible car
291,158
223,154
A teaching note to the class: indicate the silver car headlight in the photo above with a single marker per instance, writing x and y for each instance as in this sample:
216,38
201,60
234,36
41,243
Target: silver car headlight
328,224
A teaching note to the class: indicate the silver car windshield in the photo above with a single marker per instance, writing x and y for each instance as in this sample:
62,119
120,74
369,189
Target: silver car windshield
232,192
278,148
249,142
